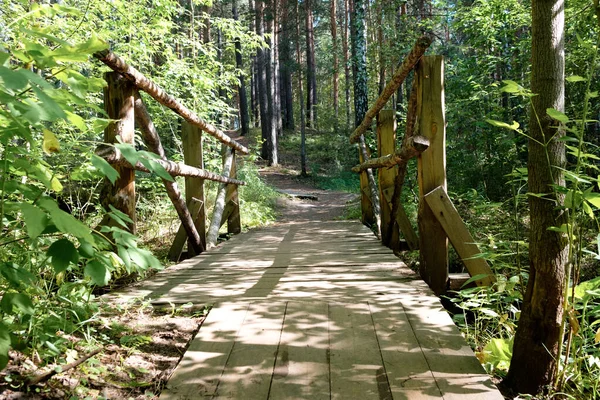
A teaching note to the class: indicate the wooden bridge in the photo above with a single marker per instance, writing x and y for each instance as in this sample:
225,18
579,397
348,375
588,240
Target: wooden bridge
315,309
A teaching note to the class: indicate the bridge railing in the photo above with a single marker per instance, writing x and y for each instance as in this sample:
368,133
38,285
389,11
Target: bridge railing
425,139
124,105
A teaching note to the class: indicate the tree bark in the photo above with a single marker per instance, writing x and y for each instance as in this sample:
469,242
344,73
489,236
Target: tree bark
361,95
536,346
346,63
311,74
336,79
301,96
261,75
285,51
244,118
215,222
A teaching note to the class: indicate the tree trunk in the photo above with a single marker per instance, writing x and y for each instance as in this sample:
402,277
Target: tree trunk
269,146
336,78
361,93
244,119
254,107
346,63
380,48
285,51
277,124
301,96
536,346
311,75
261,75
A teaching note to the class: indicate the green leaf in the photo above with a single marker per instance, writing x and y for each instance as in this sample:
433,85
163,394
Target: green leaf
582,289
17,301
498,352
124,254
15,275
98,272
86,249
65,222
513,127
129,152
103,166
592,198
36,220
4,345
511,87
557,115
63,253
575,78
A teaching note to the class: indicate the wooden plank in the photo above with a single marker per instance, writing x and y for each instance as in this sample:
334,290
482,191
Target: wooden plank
191,137
357,370
459,235
432,171
234,223
302,367
404,224
405,364
457,372
386,144
249,368
367,212
199,371
181,237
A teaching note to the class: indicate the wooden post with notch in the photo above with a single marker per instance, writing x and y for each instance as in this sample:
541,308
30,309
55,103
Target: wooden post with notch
119,102
191,137
367,212
234,224
386,144
432,171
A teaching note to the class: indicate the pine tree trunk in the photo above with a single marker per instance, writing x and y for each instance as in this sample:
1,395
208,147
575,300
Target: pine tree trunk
536,346
346,63
311,76
301,96
261,75
269,146
244,119
285,69
277,123
336,78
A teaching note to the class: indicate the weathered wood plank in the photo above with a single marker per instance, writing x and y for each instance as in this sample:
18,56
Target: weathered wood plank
302,367
403,222
432,171
386,144
459,235
406,367
249,368
199,372
357,370
195,206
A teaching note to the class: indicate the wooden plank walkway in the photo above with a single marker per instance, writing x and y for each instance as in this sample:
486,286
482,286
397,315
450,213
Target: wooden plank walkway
314,310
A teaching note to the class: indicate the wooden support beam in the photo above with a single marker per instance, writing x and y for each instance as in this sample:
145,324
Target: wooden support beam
432,171
403,222
459,235
392,86
181,237
141,82
367,215
386,144
152,140
234,222
408,143
113,156
191,138
119,105
220,202
416,146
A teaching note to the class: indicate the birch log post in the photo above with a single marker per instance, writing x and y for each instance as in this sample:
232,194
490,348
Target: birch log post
152,140
215,221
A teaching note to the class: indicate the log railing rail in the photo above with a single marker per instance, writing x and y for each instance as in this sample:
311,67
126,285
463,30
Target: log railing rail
126,108
424,139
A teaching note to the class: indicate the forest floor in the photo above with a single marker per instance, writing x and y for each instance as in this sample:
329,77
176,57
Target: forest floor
140,345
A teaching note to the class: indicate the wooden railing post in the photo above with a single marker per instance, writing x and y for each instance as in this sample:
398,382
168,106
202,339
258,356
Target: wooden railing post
386,144
119,104
432,171
234,223
367,212
191,137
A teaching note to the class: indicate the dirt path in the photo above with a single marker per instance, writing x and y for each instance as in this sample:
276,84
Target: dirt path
303,202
